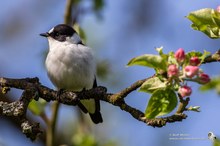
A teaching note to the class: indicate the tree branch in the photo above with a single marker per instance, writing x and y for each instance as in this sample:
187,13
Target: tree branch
122,94
33,89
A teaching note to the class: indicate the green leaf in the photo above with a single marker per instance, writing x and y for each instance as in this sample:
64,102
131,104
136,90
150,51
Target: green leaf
204,55
149,60
161,102
172,59
160,50
152,84
37,107
207,21
216,142
194,108
193,54
164,57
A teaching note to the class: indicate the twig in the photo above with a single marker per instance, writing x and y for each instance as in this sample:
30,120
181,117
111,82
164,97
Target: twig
51,125
122,94
68,12
212,58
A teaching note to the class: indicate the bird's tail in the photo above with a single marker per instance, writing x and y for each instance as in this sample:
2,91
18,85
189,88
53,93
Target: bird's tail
87,107
92,106
96,117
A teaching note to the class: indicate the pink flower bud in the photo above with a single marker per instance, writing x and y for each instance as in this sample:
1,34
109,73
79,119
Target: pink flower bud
194,61
185,91
203,78
172,70
191,71
180,55
218,9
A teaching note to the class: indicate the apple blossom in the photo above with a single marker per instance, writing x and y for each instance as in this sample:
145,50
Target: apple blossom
203,78
180,55
194,61
190,71
185,91
172,70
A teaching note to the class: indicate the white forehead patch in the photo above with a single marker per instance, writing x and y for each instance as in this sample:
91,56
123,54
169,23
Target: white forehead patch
51,30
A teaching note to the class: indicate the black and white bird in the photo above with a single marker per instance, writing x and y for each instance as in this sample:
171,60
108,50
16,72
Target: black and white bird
71,66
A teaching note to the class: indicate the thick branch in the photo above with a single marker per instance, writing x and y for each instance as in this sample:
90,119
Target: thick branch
72,98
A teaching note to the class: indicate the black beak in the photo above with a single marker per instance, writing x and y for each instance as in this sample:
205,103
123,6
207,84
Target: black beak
45,34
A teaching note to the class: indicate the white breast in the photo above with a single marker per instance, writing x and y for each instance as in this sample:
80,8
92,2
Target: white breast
70,66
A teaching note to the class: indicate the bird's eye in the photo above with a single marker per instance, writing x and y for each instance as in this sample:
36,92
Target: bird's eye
57,34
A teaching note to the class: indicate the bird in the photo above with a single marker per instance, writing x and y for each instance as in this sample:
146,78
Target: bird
71,66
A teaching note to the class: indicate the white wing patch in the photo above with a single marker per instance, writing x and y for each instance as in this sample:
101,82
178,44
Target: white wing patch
75,39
